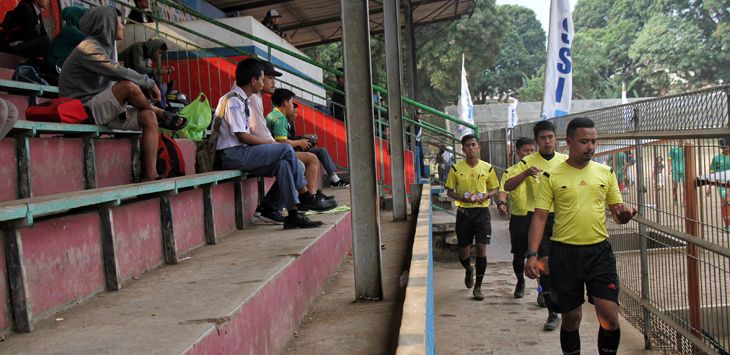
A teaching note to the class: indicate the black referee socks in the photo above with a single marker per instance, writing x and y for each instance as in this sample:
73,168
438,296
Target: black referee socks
466,263
608,341
570,342
481,266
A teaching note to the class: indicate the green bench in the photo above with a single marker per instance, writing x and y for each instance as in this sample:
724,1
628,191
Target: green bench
29,89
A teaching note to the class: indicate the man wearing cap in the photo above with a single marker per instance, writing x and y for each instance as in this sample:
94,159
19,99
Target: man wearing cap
271,21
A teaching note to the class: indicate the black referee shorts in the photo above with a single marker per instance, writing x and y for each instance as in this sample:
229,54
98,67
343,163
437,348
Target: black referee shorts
544,249
519,226
471,224
573,267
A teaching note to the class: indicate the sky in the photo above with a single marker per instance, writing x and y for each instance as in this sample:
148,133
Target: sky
541,8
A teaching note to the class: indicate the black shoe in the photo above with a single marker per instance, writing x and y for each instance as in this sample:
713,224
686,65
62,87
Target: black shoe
272,216
259,210
552,322
519,290
310,202
541,300
321,194
477,294
341,183
469,278
295,219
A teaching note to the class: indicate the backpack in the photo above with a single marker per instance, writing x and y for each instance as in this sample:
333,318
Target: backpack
62,109
29,74
170,162
205,149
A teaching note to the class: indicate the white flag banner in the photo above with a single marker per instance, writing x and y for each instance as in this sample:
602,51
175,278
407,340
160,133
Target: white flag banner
559,68
466,106
628,110
512,113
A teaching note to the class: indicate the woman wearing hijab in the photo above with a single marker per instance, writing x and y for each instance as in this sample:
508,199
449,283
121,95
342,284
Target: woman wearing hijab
69,37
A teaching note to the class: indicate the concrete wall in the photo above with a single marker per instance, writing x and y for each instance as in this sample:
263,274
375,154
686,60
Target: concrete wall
493,116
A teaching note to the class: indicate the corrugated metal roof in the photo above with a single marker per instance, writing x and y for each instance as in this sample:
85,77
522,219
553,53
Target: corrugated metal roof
312,22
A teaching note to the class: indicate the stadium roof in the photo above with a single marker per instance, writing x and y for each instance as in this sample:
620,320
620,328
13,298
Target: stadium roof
313,22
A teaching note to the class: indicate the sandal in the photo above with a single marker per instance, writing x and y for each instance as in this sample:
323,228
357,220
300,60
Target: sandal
170,121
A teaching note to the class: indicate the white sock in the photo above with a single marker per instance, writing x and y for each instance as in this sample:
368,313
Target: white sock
334,178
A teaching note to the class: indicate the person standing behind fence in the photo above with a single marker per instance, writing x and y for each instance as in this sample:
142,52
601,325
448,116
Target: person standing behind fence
472,183
580,255
518,222
526,173
659,172
721,163
676,158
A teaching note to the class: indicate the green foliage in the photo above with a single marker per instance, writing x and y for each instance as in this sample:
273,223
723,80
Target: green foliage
657,47
521,53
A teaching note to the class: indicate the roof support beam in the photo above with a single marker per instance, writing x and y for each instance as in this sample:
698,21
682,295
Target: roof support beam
253,5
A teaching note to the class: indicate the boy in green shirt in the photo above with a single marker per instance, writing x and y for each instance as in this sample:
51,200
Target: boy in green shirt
278,125
720,163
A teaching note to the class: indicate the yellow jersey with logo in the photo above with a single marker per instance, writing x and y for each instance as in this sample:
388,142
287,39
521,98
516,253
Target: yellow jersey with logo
464,178
532,182
517,197
579,197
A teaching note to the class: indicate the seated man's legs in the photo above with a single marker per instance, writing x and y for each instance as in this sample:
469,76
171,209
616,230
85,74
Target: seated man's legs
37,47
329,166
311,170
109,109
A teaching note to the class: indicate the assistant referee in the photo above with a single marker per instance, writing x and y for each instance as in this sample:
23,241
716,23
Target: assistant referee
580,256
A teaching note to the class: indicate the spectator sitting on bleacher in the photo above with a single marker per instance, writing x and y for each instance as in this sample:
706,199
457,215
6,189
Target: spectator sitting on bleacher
141,12
237,148
271,21
140,56
271,206
23,32
283,102
8,117
112,93
69,37
287,128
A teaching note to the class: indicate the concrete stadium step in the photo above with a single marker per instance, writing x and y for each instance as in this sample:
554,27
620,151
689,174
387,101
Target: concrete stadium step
10,61
6,73
57,163
244,295
107,238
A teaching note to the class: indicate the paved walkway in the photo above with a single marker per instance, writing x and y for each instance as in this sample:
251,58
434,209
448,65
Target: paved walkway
502,324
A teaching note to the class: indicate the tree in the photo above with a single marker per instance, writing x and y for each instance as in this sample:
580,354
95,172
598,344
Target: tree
440,49
521,53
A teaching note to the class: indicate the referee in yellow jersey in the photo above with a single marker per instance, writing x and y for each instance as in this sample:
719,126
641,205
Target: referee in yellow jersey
471,183
525,173
518,222
580,256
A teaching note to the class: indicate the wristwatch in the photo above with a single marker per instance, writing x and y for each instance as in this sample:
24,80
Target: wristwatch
500,202
529,254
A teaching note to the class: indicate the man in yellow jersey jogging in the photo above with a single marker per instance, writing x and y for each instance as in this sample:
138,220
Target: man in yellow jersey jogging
525,174
471,183
580,256
518,223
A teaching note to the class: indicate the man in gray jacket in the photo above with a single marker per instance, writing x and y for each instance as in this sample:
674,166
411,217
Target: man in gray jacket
112,93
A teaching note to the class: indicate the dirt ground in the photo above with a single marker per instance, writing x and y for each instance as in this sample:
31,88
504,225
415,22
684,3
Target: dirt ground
338,324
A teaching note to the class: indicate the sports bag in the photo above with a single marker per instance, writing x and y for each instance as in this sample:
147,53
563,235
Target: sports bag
62,109
170,161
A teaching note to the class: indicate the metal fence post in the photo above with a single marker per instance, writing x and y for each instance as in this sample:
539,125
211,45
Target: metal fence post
361,150
692,227
641,187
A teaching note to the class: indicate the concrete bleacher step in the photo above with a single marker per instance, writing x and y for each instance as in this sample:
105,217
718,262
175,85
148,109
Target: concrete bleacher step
244,295
6,73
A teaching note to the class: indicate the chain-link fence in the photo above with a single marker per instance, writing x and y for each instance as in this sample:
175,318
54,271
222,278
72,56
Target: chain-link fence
671,156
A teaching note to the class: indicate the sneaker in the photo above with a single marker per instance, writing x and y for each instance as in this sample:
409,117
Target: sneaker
259,210
321,195
341,183
469,278
271,215
296,219
477,294
310,202
541,300
552,322
519,290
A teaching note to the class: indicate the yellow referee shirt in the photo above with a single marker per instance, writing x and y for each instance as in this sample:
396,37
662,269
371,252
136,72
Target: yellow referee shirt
463,178
517,197
579,197
536,160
